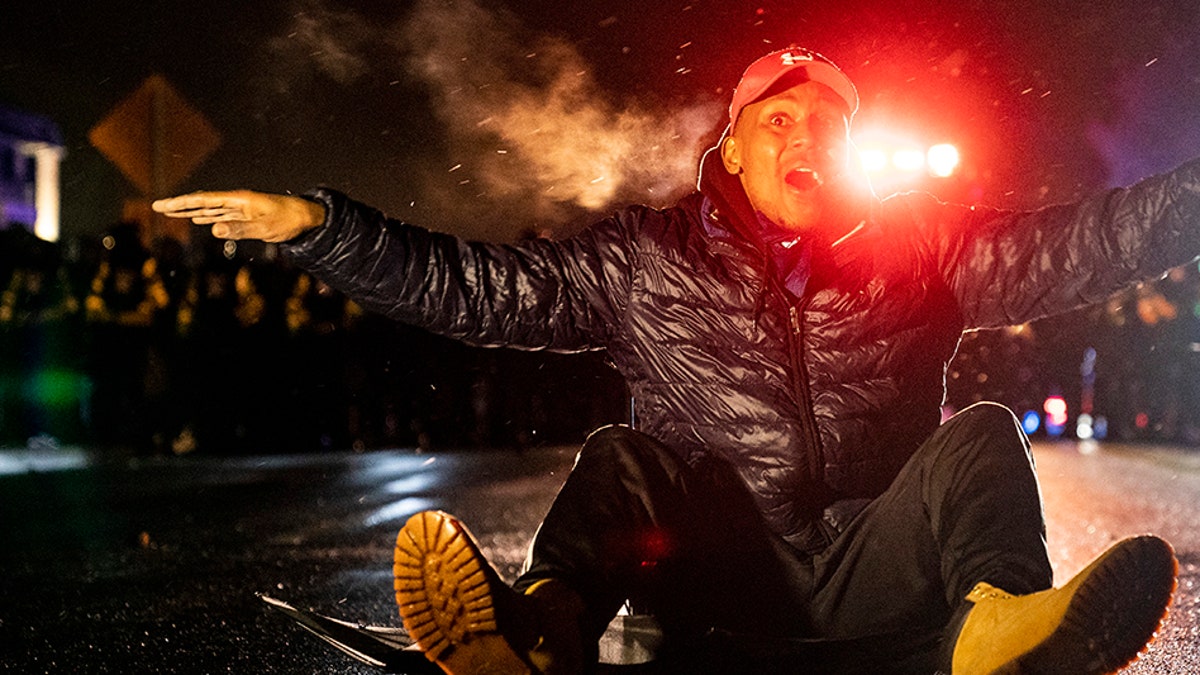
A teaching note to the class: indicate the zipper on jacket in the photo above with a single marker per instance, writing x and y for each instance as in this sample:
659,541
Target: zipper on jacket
808,420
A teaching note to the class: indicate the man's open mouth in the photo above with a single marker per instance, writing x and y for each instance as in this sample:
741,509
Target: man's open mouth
803,179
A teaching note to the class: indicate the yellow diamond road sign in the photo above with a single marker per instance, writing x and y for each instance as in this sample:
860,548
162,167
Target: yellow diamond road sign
154,137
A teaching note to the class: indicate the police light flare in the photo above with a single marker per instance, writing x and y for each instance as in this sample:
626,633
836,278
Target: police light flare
1056,410
881,161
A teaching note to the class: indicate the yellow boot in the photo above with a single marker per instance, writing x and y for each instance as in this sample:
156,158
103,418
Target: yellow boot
1095,624
467,620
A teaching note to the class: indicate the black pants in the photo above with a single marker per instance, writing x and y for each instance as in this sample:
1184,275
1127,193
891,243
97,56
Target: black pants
634,522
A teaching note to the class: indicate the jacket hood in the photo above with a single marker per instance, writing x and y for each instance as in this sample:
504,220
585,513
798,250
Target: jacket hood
725,191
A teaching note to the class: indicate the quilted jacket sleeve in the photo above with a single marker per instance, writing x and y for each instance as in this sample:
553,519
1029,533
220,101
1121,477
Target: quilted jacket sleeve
1011,267
559,295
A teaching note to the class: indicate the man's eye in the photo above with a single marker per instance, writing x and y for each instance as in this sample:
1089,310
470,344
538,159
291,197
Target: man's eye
779,120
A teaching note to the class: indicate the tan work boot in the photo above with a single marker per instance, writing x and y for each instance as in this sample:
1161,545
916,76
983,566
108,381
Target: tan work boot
466,619
1095,624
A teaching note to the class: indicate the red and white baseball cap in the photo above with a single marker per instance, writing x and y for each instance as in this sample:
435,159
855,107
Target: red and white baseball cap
768,70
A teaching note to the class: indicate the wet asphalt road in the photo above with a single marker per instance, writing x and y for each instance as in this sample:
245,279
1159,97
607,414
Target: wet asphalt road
153,566
1095,495
115,565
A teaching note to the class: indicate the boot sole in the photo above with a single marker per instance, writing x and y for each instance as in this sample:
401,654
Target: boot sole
1113,615
447,593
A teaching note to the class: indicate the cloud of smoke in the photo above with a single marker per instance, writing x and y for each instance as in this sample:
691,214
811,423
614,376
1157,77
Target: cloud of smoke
332,39
532,136
527,120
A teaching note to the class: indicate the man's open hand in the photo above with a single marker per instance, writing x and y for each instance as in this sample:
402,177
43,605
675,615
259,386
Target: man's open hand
243,214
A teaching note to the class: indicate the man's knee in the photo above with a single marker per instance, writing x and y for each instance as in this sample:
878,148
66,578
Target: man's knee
611,436
987,417
618,449
621,441
983,431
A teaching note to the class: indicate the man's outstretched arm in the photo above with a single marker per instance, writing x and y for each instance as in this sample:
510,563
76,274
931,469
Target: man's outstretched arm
563,295
1010,267
243,214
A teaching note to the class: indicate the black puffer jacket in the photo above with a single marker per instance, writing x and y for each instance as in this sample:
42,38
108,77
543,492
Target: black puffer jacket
810,401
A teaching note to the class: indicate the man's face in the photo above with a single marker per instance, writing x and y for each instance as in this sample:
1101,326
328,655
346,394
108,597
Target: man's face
789,150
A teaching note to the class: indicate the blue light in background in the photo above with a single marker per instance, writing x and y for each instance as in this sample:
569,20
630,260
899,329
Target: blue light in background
1031,422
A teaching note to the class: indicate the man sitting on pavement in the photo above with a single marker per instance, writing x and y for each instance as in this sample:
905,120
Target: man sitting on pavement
785,335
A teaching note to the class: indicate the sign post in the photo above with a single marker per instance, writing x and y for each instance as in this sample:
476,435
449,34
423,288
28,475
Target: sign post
156,139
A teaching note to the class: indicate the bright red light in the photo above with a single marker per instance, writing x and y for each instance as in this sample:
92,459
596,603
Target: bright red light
1056,410
942,159
873,160
908,160
893,160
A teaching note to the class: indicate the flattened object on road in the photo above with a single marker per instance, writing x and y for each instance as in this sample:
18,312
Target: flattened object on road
385,647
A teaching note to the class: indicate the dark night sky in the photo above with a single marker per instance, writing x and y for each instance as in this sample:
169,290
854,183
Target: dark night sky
489,118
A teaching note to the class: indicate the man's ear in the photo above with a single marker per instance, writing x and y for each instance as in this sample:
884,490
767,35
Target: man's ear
731,155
